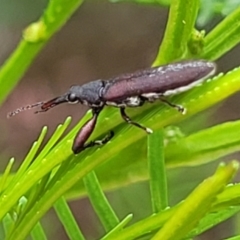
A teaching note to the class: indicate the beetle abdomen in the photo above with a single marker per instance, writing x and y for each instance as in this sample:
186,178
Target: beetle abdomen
165,80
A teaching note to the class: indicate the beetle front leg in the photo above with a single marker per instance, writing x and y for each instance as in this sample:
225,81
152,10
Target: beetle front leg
179,108
85,132
103,141
129,121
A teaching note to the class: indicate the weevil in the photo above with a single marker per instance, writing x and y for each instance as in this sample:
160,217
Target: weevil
129,90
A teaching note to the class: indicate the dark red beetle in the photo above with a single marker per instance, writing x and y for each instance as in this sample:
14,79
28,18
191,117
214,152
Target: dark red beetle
129,90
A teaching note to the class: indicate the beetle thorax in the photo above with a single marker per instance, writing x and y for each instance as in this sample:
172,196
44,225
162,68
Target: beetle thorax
89,93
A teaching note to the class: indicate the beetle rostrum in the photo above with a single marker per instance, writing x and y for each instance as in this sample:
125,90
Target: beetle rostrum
129,90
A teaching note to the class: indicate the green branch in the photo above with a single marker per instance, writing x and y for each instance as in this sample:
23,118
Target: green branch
35,37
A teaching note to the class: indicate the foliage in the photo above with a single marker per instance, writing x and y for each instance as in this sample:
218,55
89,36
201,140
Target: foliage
48,178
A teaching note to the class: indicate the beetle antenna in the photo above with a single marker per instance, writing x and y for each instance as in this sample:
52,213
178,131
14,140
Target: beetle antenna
24,108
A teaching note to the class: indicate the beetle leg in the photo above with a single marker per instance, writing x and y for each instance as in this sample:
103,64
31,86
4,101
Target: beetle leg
103,141
129,120
85,132
180,108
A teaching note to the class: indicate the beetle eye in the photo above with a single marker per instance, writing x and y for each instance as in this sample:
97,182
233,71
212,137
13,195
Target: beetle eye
72,98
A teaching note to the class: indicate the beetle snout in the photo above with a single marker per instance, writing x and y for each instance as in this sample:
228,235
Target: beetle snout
53,102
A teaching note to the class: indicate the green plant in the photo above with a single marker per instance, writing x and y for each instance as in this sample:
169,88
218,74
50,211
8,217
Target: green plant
48,180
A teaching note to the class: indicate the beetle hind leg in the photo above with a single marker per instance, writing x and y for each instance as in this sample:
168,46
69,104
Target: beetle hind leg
127,119
179,108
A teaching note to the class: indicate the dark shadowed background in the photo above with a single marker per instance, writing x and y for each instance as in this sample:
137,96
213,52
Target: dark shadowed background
101,40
